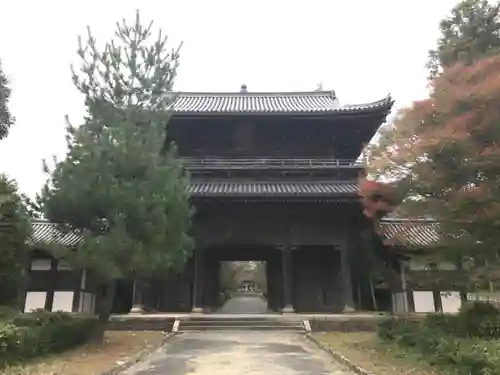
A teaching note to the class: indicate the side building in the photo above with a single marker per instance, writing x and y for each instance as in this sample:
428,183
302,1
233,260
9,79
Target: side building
274,179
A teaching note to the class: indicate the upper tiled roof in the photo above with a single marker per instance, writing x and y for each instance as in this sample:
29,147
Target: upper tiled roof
411,233
266,103
271,189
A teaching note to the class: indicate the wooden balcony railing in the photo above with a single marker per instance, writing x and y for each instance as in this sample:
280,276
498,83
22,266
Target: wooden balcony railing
269,163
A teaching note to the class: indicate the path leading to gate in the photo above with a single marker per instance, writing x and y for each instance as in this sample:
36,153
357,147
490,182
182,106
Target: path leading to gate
238,353
245,303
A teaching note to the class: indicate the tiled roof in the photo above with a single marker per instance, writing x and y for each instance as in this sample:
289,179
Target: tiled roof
407,233
411,233
271,189
255,102
47,232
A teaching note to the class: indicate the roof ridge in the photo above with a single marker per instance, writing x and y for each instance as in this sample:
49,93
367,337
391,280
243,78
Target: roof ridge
194,181
408,220
330,93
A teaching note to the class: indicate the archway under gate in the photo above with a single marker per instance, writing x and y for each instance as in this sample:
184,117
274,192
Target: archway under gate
242,280
243,287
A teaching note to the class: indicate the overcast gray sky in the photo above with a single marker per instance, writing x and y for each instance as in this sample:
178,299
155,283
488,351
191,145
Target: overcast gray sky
363,49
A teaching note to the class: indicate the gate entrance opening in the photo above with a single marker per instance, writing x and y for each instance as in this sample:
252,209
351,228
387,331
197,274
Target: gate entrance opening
243,287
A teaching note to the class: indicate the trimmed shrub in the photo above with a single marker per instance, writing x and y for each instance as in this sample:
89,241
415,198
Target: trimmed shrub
479,319
392,328
7,313
41,317
464,343
42,332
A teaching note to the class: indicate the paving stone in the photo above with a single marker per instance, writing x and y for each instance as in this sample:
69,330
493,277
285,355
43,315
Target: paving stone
241,304
238,353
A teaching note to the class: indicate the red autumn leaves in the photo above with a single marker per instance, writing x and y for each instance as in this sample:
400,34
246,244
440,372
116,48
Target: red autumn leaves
377,198
450,144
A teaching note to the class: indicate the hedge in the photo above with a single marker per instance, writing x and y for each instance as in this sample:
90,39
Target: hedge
466,343
41,332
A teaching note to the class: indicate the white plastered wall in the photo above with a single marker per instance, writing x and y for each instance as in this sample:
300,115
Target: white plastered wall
424,301
87,300
399,302
451,301
63,301
35,300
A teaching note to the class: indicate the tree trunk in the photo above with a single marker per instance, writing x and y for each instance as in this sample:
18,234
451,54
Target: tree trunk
105,306
372,292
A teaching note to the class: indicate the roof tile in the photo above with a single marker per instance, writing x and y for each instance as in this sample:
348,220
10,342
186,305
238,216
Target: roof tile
407,233
411,233
290,102
52,233
275,189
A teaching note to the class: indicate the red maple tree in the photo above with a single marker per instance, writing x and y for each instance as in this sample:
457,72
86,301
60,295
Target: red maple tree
450,145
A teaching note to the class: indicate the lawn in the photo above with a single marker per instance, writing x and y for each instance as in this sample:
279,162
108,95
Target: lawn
366,351
91,359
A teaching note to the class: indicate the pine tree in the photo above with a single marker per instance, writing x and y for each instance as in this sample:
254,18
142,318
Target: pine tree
14,221
471,32
14,251
121,186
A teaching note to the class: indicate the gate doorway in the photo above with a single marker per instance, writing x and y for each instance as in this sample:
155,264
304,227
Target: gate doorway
243,287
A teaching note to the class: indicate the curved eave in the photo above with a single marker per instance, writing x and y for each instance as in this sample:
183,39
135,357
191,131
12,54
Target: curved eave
381,107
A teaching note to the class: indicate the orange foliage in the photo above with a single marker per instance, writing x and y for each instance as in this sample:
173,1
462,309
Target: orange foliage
377,198
451,144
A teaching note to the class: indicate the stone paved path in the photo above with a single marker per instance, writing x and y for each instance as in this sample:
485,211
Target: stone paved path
245,304
238,353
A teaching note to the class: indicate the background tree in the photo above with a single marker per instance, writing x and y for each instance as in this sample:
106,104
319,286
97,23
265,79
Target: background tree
14,251
469,35
14,220
6,119
450,143
470,32
120,185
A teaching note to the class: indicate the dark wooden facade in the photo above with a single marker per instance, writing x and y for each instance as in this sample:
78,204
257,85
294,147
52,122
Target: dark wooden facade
274,179
54,286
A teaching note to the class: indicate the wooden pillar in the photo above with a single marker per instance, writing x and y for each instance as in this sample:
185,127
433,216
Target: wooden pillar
78,289
53,279
286,263
199,260
404,286
399,292
345,274
270,284
137,297
436,290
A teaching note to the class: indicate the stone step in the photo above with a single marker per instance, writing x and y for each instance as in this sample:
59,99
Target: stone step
233,318
239,328
239,324
140,324
243,321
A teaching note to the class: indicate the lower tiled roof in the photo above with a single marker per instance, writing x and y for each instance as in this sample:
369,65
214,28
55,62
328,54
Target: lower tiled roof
271,189
406,233
48,232
410,233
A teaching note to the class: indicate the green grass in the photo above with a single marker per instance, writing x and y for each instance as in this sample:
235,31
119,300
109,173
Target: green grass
365,350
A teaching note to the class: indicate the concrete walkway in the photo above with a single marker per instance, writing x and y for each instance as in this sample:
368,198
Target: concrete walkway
238,353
